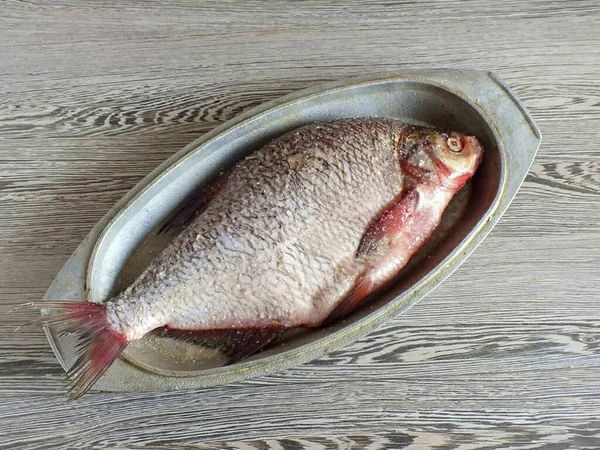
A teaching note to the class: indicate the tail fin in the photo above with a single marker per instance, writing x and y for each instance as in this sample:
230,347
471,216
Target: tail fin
98,344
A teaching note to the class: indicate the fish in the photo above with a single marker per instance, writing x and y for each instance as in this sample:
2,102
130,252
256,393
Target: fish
297,234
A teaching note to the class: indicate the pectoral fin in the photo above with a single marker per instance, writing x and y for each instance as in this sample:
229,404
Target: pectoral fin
378,238
380,253
355,295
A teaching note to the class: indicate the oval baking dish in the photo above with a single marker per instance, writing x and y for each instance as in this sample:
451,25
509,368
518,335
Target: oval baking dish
142,223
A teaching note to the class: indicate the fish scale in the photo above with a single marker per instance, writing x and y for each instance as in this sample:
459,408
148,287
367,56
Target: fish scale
299,232
320,188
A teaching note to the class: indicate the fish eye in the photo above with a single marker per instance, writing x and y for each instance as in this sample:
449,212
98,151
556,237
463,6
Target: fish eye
454,144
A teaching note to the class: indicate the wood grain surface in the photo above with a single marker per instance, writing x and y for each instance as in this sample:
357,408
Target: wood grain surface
505,354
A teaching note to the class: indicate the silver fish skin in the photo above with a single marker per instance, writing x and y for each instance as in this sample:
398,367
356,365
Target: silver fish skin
299,232
277,245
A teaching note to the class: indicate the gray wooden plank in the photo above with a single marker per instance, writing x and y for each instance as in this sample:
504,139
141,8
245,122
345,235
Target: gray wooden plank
505,353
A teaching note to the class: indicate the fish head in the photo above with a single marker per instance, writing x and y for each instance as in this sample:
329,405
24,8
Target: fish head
435,157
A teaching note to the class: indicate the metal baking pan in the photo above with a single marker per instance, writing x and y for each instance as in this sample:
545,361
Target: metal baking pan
119,246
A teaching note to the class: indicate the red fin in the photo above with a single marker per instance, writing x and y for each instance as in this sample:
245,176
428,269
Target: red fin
375,246
359,291
384,229
98,346
236,343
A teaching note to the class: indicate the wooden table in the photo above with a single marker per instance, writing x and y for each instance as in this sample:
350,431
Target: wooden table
506,353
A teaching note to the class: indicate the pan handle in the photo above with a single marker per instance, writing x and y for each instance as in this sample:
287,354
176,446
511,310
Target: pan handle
518,133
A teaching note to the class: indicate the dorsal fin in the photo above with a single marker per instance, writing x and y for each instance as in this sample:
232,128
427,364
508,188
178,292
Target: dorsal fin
191,206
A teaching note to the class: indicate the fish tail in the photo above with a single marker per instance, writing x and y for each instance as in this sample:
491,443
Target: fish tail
98,344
